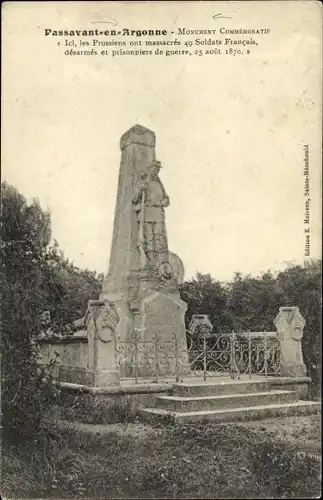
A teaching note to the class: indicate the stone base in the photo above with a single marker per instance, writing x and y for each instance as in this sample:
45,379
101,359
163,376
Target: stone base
163,329
300,385
293,370
104,378
74,375
85,376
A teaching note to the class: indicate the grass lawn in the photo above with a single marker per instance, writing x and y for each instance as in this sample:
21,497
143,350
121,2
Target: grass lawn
183,461
303,431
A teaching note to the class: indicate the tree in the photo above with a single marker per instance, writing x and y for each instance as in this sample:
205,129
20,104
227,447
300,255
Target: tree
67,288
36,277
301,286
25,234
204,295
253,303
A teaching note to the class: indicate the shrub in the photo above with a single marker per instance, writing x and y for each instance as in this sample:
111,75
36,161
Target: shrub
35,277
92,409
26,394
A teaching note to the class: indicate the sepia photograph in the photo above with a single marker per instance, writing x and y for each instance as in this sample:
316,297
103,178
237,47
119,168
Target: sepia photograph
161,218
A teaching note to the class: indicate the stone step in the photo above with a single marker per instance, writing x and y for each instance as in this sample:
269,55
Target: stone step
232,414
224,401
215,388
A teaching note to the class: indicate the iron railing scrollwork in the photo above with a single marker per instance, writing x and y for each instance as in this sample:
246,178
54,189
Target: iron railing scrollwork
204,354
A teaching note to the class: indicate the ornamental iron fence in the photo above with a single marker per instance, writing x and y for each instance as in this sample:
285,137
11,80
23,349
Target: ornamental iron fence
204,355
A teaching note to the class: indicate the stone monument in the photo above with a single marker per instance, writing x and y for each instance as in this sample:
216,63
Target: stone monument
142,282
290,325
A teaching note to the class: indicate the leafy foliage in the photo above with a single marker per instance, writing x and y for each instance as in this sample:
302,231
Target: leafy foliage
301,285
251,303
35,277
25,235
205,295
67,288
96,409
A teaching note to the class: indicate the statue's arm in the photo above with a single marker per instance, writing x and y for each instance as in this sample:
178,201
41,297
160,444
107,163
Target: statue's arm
138,192
165,201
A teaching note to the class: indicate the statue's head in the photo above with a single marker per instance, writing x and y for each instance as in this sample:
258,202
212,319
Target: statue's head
154,169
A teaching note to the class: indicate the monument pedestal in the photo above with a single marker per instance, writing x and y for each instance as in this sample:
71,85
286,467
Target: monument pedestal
143,277
160,318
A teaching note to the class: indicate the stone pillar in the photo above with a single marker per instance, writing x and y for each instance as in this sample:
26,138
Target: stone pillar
121,285
146,302
102,321
290,325
137,151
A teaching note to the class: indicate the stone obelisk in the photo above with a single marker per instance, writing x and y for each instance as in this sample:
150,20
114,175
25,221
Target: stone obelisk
143,275
137,150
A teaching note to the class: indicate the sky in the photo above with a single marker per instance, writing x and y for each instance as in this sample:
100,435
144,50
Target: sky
230,132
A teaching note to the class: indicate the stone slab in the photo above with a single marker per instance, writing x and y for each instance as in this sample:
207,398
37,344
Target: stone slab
233,415
188,404
163,317
121,389
75,375
213,389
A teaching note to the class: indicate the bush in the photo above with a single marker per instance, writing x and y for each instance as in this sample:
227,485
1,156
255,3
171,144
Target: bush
25,235
92,409
24,415
35,277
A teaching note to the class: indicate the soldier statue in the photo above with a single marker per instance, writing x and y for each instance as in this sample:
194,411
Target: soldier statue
151,199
